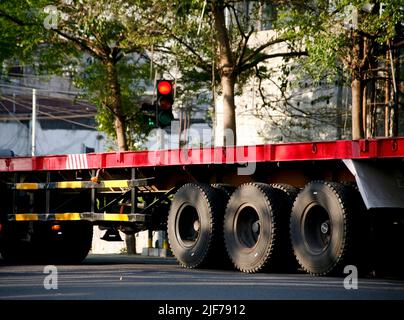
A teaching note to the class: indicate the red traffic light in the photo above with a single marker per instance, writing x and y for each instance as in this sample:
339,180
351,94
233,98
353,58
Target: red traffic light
165,104
165,100
164,87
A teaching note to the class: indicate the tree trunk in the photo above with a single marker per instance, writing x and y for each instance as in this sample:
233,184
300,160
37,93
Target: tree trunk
356,85
339,107
229,112
130,240
357,131
387,96
396,85
372,109
115,103
365,109
227,73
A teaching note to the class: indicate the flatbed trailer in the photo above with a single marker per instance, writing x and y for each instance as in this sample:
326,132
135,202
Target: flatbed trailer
257,208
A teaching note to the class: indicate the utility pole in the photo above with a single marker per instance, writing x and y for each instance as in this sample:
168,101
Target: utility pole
33,124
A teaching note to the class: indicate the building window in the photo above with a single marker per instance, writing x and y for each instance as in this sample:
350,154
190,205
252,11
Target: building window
260,15
268,16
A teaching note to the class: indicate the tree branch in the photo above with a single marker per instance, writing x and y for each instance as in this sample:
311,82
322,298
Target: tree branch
259,49
242,45
15,19
264,57
82,43
181,41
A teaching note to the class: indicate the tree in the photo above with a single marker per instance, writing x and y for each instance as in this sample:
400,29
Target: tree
214,41
131,73
108,31
341,39
19,35
344,37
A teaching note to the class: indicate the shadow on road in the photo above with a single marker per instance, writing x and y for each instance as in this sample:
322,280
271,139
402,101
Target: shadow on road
112,259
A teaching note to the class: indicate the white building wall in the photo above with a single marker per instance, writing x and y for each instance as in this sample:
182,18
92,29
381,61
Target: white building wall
256,124
198,135
17,137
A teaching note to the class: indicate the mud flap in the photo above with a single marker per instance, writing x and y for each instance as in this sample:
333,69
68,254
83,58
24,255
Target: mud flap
381,184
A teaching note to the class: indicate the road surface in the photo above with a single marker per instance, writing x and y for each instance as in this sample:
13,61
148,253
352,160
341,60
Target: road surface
117,277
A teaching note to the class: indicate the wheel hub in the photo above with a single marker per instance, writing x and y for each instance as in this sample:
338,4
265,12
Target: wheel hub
325,228
255,227
317,229
188,226
197,225
247,226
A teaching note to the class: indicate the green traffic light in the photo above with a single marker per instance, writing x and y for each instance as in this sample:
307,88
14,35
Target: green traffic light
165,117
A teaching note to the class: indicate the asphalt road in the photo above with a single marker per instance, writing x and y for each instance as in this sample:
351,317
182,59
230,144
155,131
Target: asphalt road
116,277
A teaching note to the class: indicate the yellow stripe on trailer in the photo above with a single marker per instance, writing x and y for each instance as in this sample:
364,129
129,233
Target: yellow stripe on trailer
27,186
70,185
67,216
115,217
79,184
115,183
75,216
26,217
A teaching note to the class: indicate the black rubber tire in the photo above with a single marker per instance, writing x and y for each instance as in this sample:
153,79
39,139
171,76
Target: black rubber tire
290,191
361,251
224,189
387,243
17,243
253,206
287,260
192,225
70,247
17,252
40,245
221,259
321,227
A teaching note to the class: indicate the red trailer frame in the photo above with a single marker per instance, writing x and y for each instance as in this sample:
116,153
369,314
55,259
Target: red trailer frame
301,151
307,191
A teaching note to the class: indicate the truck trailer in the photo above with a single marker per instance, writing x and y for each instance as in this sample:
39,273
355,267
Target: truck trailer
274,207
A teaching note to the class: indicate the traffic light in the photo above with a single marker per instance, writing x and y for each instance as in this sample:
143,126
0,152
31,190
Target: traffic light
165,100
149,114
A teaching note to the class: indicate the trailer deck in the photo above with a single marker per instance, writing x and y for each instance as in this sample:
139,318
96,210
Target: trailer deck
265,207
300,151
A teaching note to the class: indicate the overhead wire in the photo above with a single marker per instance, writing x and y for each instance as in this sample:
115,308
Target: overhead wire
23,87
51,115
60,110
11,114
13,142
64,114
71,113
